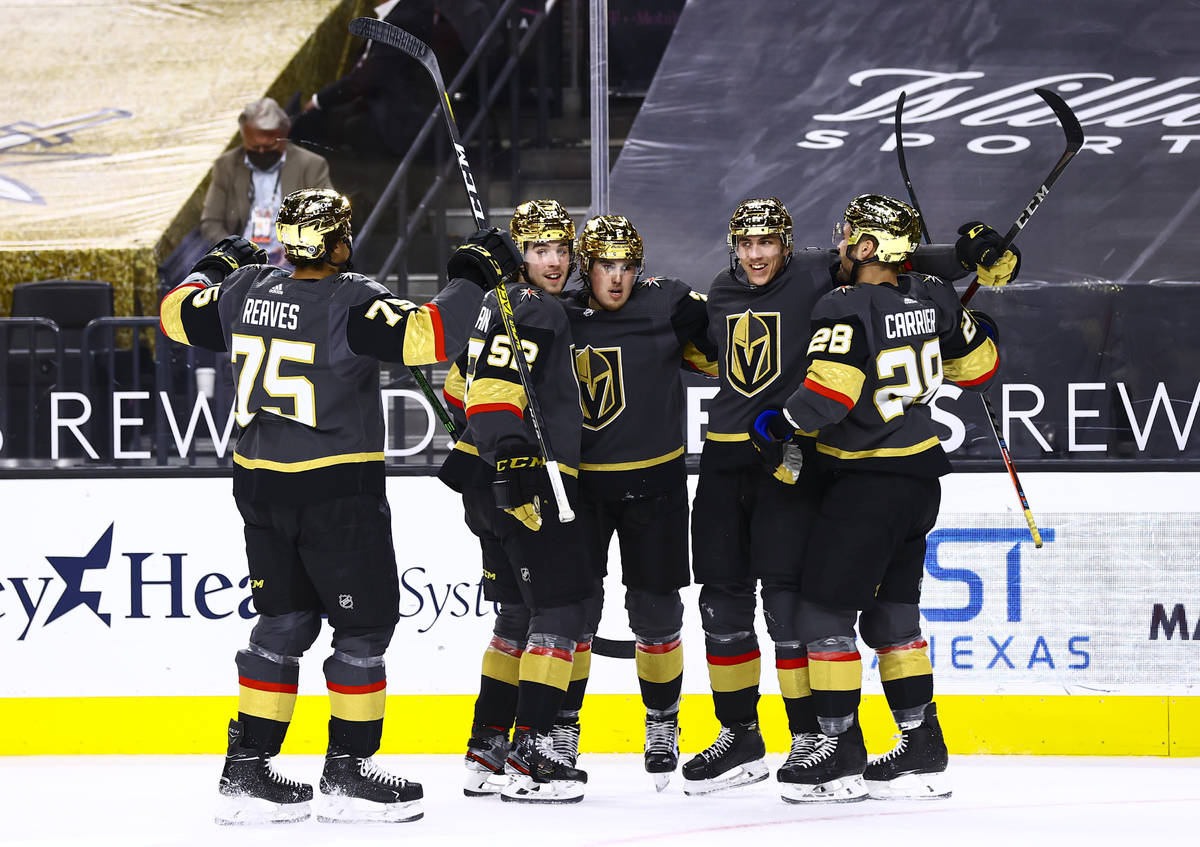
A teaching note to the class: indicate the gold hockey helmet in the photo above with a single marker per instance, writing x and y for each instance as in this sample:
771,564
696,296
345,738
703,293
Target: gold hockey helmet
761,216
541,220
895,226
307,218
608,237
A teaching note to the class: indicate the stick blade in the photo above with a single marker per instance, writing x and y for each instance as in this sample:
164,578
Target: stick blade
393,36
1066,117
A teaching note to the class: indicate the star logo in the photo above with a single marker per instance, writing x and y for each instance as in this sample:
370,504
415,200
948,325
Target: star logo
71,569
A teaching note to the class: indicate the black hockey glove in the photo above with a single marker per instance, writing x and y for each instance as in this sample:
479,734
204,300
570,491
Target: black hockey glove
978,250
488,258
517,486
772,434
226,256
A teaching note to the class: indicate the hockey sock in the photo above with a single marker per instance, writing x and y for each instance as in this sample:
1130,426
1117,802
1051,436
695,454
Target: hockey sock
496,704
835,674
357,693
791,666
660,671
267,688
733,671
545,673
907,677
581,666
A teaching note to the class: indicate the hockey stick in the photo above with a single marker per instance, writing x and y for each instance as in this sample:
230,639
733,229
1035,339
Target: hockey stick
987,404
394,36
1074,134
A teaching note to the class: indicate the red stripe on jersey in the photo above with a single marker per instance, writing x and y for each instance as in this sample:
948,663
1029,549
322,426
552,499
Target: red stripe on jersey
259,685
836,396
733,660
791,664
834,657
919,644
453,401
369,688
495,407
439,337
552,652
659,648
983,378
583,647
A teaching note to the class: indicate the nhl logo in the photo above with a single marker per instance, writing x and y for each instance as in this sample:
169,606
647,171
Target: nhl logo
346,601
525,574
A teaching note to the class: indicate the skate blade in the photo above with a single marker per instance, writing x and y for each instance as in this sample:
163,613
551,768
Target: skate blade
911,786
484,784
522,789
241,810
746,774
661,780
848,789
340,809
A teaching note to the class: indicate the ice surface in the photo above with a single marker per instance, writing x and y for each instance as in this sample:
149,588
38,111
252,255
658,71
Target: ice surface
163,801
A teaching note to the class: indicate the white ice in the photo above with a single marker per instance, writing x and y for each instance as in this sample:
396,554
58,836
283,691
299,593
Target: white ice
164,801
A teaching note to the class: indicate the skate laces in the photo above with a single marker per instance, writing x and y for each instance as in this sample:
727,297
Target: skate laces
268,765
367,769
544,745
660,736
803,743
724,742
565,736
823,746
896,752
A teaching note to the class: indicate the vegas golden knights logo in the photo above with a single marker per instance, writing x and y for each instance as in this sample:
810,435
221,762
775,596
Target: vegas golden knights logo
601,385
753,357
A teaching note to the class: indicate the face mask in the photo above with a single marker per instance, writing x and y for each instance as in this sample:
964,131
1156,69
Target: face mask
263,159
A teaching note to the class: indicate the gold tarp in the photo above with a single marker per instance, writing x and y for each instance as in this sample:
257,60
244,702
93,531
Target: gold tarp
113,112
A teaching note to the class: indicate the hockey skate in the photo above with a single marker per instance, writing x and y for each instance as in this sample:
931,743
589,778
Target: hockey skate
734,759
803,743
915,769
356,790
565,734
538,774
830,772
486,752
662,748
252,792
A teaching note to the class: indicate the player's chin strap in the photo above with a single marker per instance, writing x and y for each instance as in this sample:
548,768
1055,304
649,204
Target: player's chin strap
346,266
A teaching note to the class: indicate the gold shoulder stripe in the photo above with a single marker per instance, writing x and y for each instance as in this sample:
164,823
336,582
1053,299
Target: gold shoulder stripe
424,342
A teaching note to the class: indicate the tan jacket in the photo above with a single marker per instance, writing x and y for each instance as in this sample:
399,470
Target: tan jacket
227,203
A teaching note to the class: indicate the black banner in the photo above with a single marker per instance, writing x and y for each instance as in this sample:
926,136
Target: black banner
797,100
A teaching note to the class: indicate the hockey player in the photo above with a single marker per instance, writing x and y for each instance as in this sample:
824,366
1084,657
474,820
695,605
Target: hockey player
534,565
308,479
749,525
880,347
631,338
